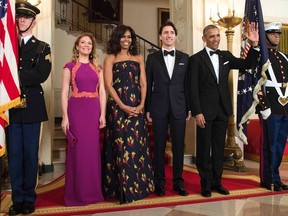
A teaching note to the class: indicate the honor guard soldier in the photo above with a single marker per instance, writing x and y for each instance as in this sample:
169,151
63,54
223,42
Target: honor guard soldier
274,112
25,120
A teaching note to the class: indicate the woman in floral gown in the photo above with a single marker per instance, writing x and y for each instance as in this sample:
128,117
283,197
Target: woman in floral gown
127,165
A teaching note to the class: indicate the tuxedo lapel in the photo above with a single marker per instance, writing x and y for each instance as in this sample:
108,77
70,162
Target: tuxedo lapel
208,62
162,62
178,57
220,65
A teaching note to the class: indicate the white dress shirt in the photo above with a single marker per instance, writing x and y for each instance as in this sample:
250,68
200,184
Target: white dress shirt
169,61
215,62
26,38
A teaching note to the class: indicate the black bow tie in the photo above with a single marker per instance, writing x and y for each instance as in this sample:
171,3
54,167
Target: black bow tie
214,52
168,53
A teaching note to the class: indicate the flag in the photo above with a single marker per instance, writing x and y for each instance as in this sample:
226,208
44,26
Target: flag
250,81
9,80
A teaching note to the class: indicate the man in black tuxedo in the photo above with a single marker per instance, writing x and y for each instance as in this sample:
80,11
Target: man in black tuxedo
167,104
211,102
24,129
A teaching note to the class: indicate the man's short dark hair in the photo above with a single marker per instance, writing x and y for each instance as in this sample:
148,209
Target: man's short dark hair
167,24
208,27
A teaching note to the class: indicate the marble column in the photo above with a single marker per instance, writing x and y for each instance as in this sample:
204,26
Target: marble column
44,30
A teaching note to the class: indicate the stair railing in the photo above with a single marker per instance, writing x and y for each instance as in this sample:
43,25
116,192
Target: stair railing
75,16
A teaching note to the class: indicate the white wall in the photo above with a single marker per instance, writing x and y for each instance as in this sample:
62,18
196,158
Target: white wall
63,47
142,16
275,10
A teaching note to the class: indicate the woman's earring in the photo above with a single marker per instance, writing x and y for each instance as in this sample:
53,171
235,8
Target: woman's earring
91,56
77,53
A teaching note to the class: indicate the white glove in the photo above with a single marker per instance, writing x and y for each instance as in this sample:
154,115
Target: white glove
265,113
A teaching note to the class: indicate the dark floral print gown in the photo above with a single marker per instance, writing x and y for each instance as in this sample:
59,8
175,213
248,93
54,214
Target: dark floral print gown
127,165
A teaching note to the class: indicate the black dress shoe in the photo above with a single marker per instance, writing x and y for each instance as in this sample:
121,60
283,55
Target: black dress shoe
181,191
220,189
159,190
15,209
206,193
283,186
28,208
276,187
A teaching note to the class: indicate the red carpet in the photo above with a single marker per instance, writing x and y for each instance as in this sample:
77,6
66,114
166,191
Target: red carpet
50,196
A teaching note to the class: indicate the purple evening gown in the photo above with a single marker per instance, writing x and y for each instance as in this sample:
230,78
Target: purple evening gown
83,162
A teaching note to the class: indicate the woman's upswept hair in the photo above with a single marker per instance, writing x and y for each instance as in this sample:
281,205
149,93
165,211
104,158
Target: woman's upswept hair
113,45
93,57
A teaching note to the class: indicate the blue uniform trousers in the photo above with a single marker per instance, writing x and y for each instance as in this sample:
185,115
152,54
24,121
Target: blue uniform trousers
272,147
23,146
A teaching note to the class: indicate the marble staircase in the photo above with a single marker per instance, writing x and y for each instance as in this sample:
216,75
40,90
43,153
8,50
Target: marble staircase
59,147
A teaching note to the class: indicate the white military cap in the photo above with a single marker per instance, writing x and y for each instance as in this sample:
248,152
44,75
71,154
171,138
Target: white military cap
273,27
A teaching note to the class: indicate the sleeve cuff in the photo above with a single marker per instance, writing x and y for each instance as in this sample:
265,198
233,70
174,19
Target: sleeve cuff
265,113
257,48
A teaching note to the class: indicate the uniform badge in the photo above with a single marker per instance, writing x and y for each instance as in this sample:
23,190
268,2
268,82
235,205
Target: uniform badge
48,57
33,41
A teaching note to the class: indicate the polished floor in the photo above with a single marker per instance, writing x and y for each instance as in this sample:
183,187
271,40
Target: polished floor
274,205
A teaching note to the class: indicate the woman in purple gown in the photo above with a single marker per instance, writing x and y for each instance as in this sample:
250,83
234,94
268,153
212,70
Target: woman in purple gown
127,164
83,115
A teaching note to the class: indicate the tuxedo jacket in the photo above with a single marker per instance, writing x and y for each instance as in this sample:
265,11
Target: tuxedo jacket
163,92
31,79
206,94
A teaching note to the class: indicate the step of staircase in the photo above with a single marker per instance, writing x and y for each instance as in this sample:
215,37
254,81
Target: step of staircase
59,147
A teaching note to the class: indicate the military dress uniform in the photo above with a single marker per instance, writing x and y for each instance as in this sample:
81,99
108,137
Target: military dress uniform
275,127
24,129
